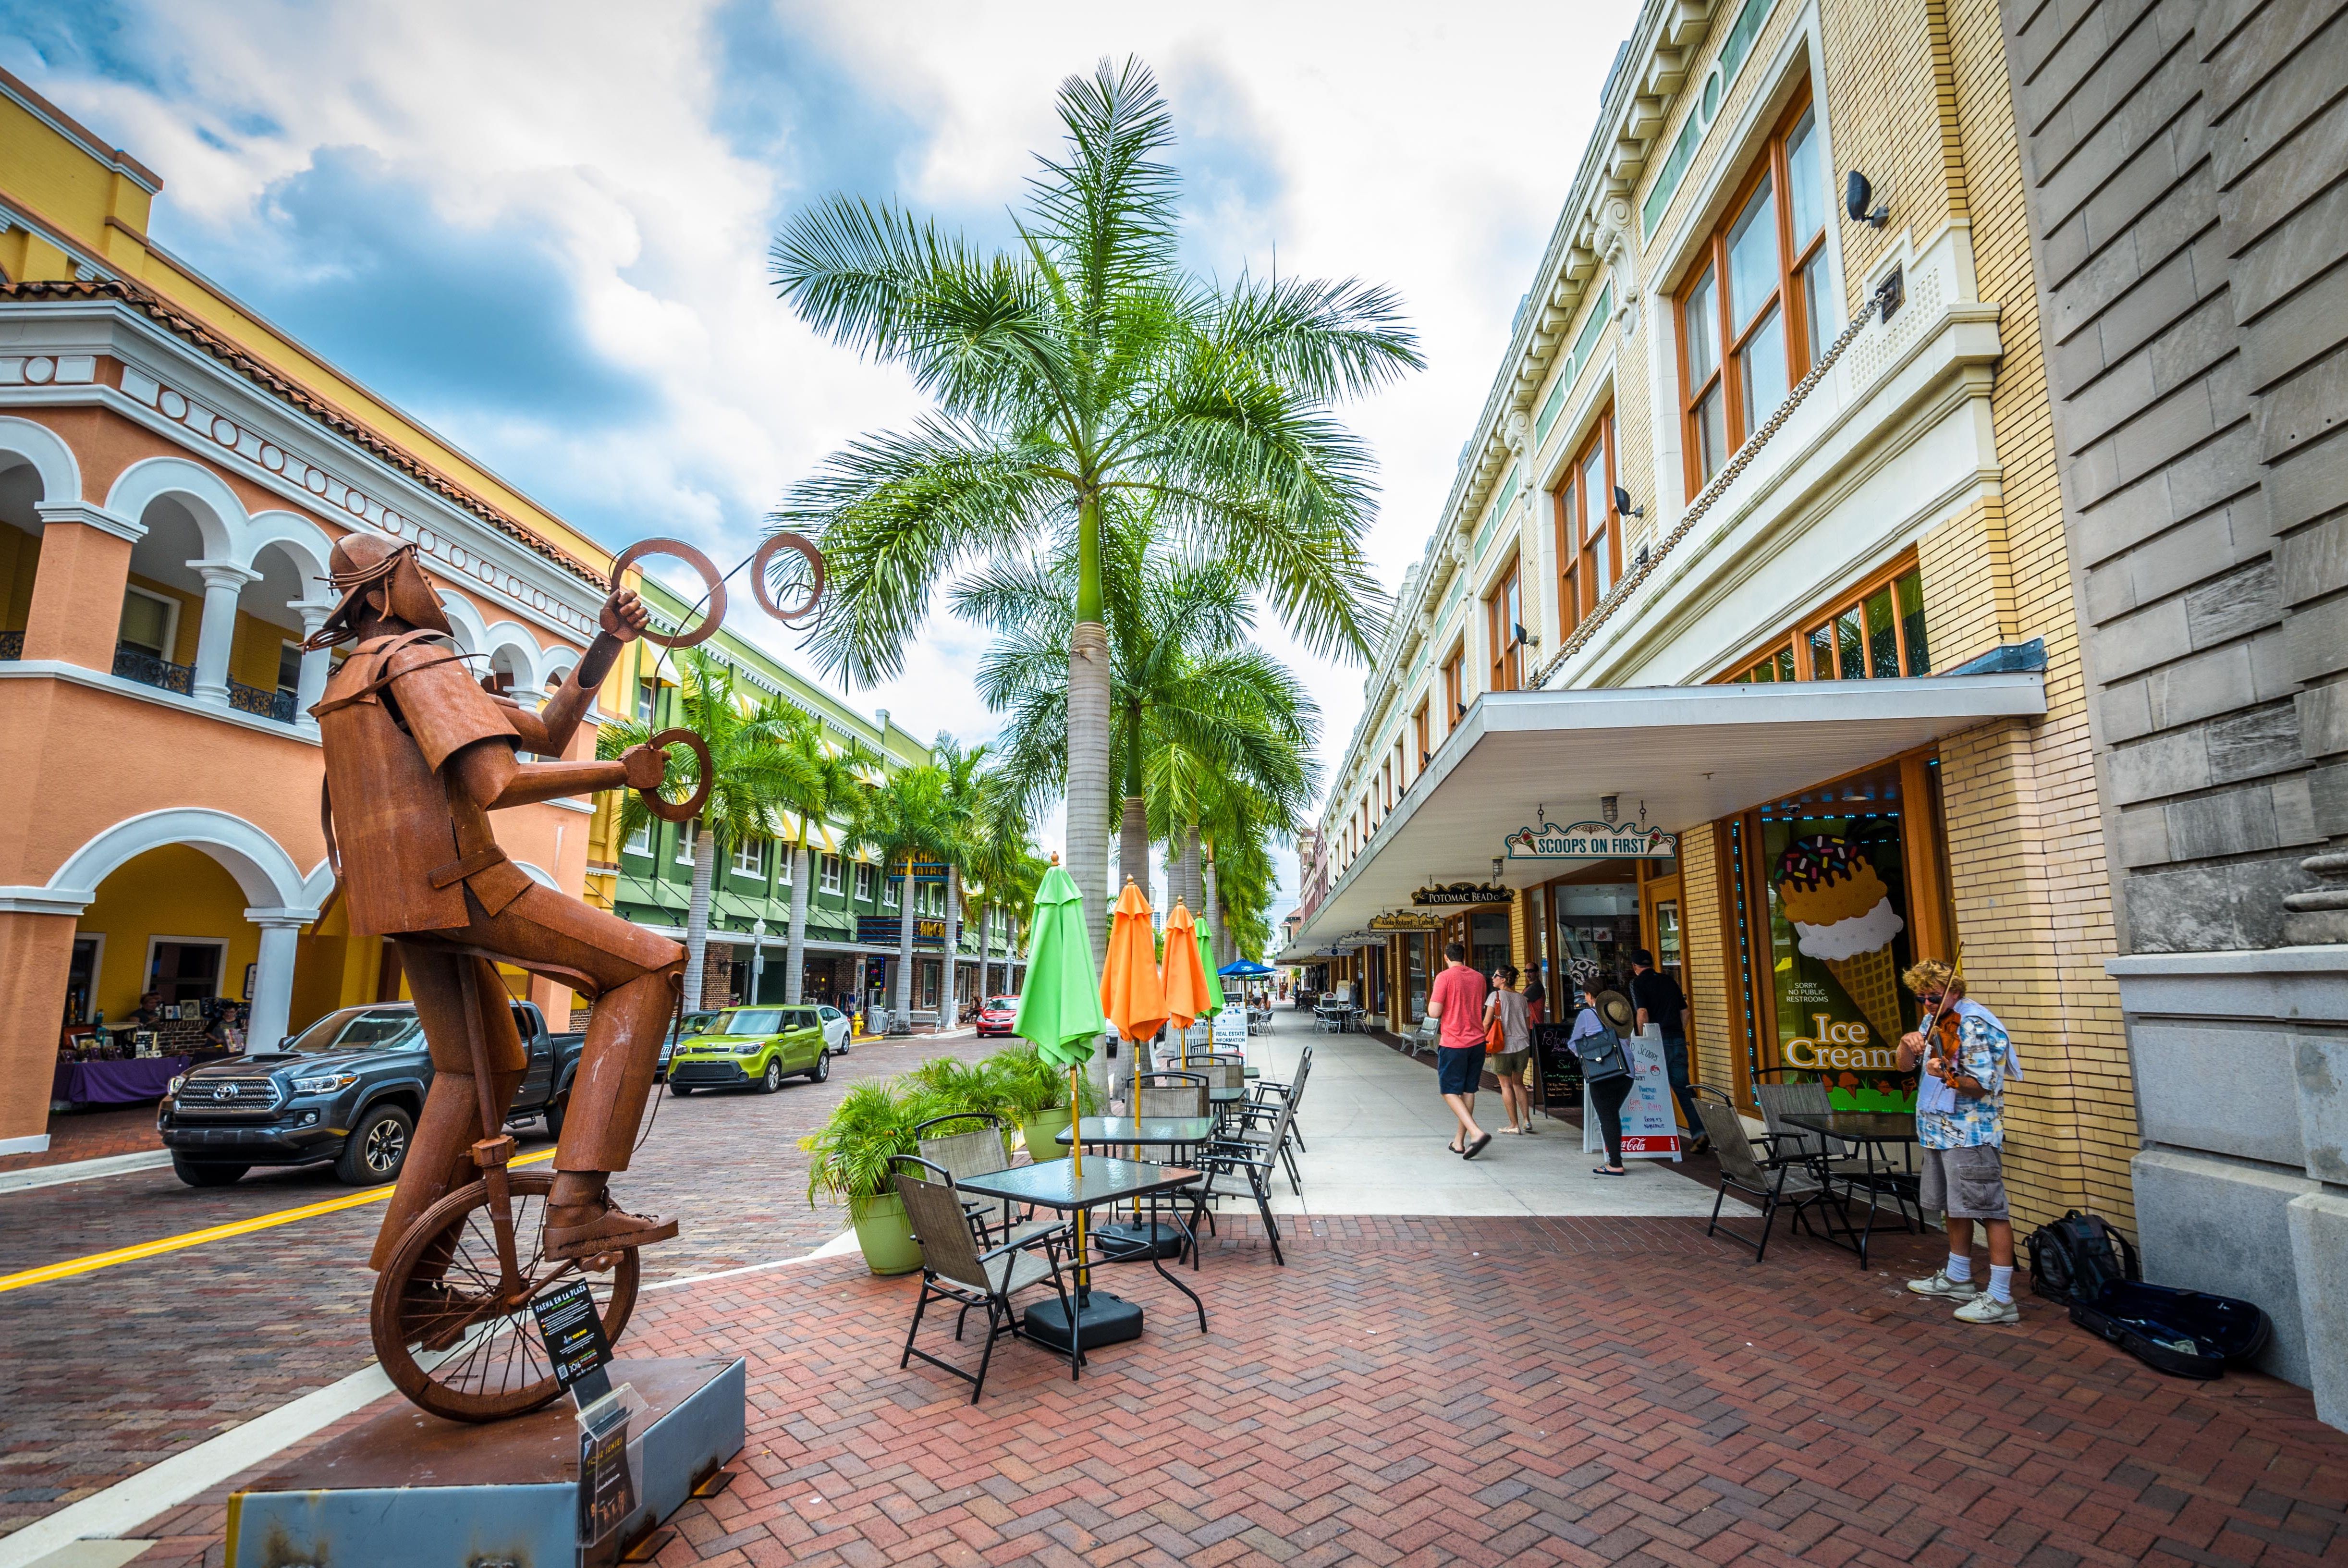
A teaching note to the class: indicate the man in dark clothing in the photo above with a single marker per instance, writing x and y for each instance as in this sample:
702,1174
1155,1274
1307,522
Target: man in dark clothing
1660,1002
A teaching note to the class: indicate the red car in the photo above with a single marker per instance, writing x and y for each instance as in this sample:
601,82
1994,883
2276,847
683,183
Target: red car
996,1014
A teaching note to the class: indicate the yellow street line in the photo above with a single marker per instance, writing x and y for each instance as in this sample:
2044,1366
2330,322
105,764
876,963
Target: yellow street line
96,1261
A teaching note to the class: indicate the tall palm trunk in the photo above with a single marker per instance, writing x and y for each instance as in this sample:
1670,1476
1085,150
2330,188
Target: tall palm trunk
950,993
903,1005
1192,889
1214,911
985,952
1089,769
696,913
795,951
1133,845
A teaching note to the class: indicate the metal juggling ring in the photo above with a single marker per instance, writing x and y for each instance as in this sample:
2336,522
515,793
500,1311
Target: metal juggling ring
699,562
669,811
759,576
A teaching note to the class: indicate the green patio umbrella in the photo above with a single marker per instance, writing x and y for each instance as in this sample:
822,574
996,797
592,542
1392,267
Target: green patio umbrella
1215,982
1060,1007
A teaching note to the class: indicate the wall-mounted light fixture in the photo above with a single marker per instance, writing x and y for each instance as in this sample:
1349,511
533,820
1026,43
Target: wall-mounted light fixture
1526,638
1856,194
1622,505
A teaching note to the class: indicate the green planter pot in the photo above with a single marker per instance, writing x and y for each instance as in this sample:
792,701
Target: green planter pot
1040,1133
885,1234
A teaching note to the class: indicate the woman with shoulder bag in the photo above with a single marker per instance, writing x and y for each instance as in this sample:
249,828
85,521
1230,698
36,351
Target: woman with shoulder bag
1606,1076
1507,1045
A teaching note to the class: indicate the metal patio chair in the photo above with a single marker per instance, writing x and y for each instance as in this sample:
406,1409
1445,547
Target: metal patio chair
1279,1109
1253,1159
1773,1184
1835,1158
954,1270
977,1152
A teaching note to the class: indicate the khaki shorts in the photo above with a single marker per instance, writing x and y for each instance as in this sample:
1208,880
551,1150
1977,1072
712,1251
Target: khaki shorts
1965,1184
1508,1064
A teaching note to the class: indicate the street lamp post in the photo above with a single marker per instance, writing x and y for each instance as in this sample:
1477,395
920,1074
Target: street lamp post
757,956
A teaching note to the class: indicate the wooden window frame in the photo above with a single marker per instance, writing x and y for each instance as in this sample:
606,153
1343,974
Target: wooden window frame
1419,722
1455,699
1501,626
1711,259
1798,634
1578,541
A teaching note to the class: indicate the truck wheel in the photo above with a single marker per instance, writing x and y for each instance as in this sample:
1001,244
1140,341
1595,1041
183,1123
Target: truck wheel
772,1078
376,1148
556,1110
822,1068
196,1175
679,1089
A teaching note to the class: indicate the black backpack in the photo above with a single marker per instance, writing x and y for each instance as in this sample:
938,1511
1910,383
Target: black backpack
2076,1257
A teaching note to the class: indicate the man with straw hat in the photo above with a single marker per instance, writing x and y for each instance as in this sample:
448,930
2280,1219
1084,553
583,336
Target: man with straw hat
417,754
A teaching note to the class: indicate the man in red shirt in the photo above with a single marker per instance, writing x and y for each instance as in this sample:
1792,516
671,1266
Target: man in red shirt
1458,1004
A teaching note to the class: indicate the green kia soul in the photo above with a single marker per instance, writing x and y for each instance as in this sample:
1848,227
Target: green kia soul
751,1046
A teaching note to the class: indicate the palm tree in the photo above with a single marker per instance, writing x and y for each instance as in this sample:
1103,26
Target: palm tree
826,779
1083,366
903,818
963,787
1197,711
1003,863
751,784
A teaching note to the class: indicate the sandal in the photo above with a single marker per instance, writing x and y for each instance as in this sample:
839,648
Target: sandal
1509,1132
1454,1149
1475,1147
1603,1170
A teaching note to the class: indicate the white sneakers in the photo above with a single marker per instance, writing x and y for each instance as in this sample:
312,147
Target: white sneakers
1941,1285
1979,1306
1988,1309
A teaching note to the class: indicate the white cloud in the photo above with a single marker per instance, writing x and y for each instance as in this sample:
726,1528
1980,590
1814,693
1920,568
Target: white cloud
1425,147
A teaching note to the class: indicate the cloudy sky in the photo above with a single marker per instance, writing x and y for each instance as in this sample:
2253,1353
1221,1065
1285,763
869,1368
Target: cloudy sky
543,229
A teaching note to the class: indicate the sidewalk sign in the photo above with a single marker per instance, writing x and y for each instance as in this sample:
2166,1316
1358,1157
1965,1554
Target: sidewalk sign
1231,1027
1650,1129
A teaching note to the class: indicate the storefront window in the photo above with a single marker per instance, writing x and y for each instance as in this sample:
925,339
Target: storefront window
1596,925
1488,941
1414,966
1839,935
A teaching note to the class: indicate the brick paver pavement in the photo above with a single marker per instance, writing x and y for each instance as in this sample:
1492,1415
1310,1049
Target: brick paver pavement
105,1373
1484,1391
91,1135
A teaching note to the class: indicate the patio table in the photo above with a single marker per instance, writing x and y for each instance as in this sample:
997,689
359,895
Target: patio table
1870,1129
1130,1241
1053,1184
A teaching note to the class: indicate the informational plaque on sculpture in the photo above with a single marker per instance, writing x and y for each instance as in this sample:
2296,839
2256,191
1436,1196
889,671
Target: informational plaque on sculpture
573,1331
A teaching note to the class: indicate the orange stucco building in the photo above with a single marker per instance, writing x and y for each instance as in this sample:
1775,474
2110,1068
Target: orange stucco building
173,473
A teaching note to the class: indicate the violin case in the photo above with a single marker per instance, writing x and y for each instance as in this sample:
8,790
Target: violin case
2082,1260
2184,1333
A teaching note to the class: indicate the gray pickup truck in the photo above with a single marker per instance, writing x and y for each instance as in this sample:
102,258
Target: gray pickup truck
347,1088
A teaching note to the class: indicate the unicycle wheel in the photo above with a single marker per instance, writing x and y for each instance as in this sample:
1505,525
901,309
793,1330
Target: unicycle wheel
451,1333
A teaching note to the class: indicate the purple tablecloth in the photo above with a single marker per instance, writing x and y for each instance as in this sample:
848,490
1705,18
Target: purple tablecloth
116,1083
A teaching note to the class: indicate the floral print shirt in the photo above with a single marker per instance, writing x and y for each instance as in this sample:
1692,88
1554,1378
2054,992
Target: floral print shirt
1947,1119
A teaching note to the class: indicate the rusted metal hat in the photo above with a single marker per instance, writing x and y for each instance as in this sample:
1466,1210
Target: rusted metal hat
372,572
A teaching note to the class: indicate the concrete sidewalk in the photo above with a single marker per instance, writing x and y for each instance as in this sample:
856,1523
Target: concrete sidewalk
1378,1133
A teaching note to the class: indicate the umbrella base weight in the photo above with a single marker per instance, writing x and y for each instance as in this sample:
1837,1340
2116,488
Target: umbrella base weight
1105,1319
1138,1243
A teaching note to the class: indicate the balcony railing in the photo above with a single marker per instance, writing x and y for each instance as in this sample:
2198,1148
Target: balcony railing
267,704
136,664
11,644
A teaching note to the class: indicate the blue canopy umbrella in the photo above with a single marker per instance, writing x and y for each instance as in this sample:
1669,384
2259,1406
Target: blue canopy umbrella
1244,969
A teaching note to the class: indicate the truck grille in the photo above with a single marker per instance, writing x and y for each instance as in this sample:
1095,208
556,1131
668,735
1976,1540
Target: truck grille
227,1097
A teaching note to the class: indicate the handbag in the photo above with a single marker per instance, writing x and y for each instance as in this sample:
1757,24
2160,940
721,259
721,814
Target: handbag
1602,1060
1495,1037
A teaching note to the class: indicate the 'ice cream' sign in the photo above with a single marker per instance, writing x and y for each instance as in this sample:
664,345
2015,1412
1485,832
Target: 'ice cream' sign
1590,842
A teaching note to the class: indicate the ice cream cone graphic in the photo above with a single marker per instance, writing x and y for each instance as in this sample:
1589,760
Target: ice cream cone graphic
1842,915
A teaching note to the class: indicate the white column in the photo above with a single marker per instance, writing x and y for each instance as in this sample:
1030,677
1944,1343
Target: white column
223,581
315,664
272,976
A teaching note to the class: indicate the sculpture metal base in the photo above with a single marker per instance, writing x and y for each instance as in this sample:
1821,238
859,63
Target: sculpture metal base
1101,1319
408,1488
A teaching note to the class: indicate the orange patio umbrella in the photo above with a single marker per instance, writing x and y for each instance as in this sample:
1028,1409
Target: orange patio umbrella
1188,997
1132,995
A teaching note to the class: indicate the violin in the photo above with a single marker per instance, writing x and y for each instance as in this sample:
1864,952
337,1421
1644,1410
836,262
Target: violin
1940,1030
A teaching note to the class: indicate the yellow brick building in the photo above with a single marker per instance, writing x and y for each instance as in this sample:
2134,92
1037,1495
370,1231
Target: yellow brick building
1758,540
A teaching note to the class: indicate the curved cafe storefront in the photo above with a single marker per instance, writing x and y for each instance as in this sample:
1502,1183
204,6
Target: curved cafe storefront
1787,867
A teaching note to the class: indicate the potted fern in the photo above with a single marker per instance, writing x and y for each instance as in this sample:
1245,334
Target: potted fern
1035,1095
853,1152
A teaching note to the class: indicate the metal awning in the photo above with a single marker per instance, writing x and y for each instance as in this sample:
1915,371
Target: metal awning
1692,754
